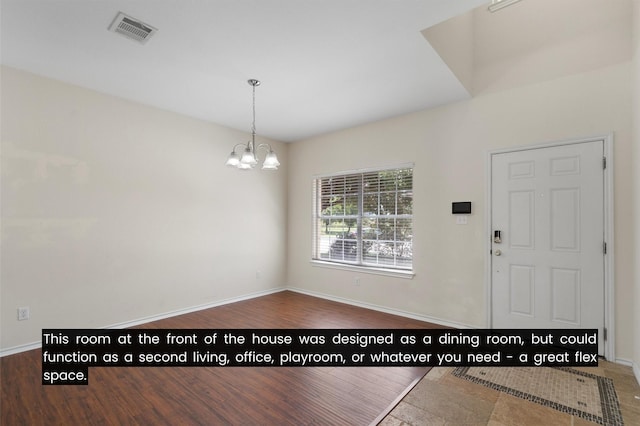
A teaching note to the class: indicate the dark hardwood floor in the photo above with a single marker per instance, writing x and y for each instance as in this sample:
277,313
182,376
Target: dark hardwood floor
224,395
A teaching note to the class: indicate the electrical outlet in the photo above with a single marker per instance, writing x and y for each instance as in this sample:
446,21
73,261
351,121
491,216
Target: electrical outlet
23,313
258,275
356,281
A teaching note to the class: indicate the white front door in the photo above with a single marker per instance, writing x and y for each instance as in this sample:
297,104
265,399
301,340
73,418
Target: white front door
548,263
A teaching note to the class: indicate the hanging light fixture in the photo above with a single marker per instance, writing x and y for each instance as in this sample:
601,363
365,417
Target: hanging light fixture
249,159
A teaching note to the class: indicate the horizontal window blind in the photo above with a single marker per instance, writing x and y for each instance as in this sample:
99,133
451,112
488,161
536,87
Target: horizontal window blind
365,218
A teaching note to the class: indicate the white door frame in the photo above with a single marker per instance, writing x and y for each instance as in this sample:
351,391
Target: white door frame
609,302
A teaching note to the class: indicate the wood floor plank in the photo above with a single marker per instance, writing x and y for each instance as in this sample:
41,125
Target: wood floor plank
225,395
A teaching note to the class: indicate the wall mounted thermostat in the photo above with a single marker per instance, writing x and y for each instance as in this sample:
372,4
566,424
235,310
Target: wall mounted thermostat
461,207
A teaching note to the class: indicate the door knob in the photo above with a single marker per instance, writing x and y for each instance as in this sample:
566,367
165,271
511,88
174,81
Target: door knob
497,252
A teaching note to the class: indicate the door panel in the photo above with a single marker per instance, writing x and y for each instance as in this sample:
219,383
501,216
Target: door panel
565,219
565,292
522,220
521,290
548,267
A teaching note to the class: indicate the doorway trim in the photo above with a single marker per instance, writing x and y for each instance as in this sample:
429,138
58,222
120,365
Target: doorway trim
609,278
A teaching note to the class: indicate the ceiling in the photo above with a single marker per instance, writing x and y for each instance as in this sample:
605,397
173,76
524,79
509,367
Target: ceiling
489,52
324,65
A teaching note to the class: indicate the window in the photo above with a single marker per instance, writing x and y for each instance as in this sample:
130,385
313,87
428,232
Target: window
365,219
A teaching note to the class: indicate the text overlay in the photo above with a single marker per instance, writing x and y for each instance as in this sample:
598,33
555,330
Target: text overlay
67,354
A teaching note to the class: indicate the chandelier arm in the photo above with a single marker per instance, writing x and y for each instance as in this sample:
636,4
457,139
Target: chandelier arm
237,145
266,146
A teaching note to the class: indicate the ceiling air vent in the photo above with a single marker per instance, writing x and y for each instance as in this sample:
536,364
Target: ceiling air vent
132,28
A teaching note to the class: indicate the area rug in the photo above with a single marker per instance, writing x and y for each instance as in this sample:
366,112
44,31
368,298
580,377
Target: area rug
567,390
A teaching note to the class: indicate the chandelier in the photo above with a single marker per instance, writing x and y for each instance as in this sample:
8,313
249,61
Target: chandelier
249,158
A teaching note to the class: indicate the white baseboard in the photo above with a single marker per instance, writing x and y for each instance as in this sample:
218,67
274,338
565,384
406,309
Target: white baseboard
623,361
419,317
144,320
20,348
177,312
446,323
439,321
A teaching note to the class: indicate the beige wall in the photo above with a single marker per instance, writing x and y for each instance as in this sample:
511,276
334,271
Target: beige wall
545,39
113,211
496,51
449,147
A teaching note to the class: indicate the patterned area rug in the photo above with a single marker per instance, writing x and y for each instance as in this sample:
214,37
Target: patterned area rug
571,391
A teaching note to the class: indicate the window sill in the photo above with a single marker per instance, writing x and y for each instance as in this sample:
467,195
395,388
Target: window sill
396,273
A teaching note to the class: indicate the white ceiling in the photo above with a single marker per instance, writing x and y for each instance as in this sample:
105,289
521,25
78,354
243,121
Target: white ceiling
324,64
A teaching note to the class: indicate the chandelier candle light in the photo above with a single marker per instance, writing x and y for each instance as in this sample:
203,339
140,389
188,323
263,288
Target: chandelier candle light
249,159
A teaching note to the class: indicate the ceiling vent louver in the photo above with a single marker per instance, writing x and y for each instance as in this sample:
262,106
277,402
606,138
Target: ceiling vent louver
132,28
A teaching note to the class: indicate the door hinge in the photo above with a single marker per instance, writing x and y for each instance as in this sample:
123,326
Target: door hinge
604,247
604,333
604,162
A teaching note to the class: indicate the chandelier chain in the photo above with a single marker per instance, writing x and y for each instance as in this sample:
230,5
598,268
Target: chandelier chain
253,123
